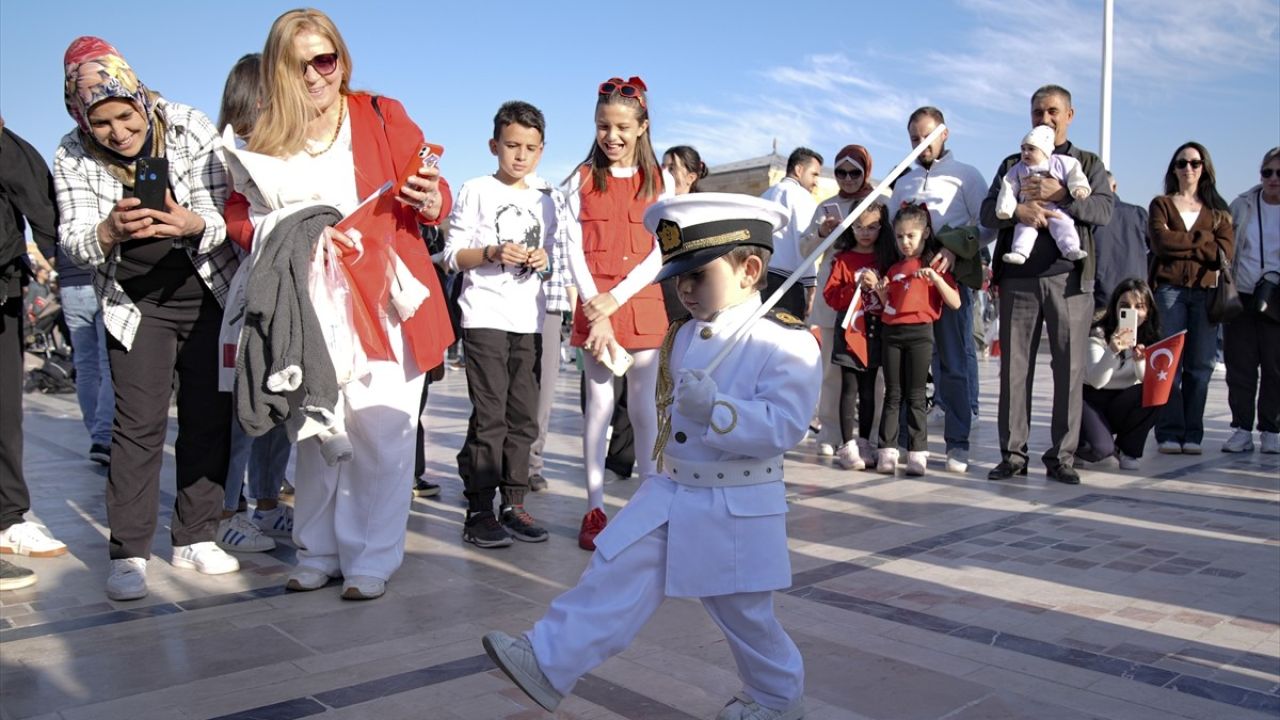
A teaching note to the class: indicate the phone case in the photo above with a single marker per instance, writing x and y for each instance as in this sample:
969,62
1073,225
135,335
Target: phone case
429,154
151,179
619,361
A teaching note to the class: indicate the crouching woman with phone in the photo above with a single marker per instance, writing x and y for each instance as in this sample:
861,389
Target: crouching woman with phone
1113,420
140,187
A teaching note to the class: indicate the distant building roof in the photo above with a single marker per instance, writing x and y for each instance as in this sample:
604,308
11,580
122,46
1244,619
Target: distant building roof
772,160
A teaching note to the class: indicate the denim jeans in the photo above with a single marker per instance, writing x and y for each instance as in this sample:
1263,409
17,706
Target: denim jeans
265,460
93,372
1181,308
955,370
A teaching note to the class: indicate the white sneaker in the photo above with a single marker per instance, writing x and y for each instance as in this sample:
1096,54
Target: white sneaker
826,449
957,460
1241,441
1126,462
849,458
514,656
1190,448
916,462
304,579
1170,447
742,707
205,558
27,538
277,521
363,587
936,416
128,579
1271,443
237,534
887,461
1014,258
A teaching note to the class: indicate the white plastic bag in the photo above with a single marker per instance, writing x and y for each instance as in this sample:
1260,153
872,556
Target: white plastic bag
330,295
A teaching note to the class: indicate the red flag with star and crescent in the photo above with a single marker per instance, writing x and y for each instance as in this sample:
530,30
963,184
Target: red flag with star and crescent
855,327
1162,361
906,293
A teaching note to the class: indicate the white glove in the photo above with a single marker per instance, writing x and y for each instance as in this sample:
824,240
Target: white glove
695,395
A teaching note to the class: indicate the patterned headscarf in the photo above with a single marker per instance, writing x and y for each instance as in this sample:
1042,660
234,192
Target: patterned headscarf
96,71
860,157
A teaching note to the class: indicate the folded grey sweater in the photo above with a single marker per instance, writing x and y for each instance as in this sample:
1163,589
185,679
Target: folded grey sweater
281,330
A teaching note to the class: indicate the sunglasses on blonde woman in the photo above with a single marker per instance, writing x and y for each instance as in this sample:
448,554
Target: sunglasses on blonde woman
633,88
324,63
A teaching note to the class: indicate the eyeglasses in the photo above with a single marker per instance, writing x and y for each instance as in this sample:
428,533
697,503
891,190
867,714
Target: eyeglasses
324,63
633,88
1182,164
872,228
1268,172
849,174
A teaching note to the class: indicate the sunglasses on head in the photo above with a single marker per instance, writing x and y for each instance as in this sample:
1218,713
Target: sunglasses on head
850,173
1268,172
1182,164
324,63
633,88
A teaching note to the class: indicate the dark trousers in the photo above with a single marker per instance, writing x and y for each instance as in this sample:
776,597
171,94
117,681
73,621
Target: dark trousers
502,381
794,301
907,352
167,344
1251,346
1026,306
857,400
15,501
621,455
1114,419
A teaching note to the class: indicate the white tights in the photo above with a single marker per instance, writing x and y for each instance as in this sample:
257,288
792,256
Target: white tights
642,382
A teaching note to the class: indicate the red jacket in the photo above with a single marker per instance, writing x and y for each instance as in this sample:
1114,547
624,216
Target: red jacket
381,144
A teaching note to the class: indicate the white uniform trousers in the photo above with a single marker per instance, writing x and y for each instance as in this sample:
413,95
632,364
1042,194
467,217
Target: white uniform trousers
351,518
601,615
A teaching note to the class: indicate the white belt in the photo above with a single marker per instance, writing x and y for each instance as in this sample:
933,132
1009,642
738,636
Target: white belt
722,473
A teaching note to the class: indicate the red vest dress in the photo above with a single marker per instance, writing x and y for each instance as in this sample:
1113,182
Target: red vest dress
615,241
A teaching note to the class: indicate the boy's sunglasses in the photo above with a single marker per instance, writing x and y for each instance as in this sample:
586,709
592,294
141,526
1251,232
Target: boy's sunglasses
1268,172
1182,164
633,88
851,173
324,63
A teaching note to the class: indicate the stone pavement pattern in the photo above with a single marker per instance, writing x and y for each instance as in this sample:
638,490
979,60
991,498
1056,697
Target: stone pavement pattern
1147,595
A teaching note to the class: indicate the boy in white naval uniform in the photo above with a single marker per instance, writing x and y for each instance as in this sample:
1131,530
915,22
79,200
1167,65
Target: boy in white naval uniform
711,523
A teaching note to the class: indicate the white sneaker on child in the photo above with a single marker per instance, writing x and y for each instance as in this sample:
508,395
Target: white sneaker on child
887,461
1126,462
1075,255
277,521
826,450
957,460
742,707
1014,258
205,558
1241,441
849,458
237,534
916,462
514,656
1270,443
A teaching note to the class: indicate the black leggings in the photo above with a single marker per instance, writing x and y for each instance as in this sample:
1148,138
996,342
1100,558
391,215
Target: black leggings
907,353
857,395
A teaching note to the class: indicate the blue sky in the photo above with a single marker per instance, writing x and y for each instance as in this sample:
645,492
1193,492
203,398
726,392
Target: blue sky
728,78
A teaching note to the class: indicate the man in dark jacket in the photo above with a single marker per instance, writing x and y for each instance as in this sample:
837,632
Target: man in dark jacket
26,191
1046,290
1122,248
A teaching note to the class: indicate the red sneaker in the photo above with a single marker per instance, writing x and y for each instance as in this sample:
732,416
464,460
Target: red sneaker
592,523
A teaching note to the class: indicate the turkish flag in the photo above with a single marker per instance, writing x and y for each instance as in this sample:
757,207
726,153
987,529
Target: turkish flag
369,268
906,292
1162,362
855,327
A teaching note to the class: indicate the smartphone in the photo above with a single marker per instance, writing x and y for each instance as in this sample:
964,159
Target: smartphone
1129,319
618,360
428,155
833,210
151,181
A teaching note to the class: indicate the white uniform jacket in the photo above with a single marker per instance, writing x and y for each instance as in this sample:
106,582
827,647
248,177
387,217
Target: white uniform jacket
732,539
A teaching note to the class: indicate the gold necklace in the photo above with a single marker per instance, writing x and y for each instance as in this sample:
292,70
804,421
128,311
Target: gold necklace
337,129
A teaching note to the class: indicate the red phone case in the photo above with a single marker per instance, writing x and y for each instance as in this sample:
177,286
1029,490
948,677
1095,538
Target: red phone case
428,154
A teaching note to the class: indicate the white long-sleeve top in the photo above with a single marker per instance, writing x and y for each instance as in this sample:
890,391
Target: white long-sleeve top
488,212
1108,371
642,275
953,191
801,207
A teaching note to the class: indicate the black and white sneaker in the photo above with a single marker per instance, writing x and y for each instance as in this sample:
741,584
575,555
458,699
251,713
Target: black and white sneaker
100,453
521,525
423,489
483,530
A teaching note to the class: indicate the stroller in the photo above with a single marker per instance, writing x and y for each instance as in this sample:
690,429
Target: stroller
47,354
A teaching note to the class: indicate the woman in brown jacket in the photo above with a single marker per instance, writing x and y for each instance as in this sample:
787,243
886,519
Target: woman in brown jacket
1190,223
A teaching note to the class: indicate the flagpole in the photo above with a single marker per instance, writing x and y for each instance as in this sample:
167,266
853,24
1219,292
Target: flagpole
871,197
1107,26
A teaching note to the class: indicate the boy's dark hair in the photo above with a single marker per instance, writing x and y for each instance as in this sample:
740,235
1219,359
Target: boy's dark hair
240,95
920,213
520,113
800,156
739,255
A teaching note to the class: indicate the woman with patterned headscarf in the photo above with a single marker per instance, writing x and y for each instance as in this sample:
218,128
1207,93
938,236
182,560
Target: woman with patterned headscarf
161,276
